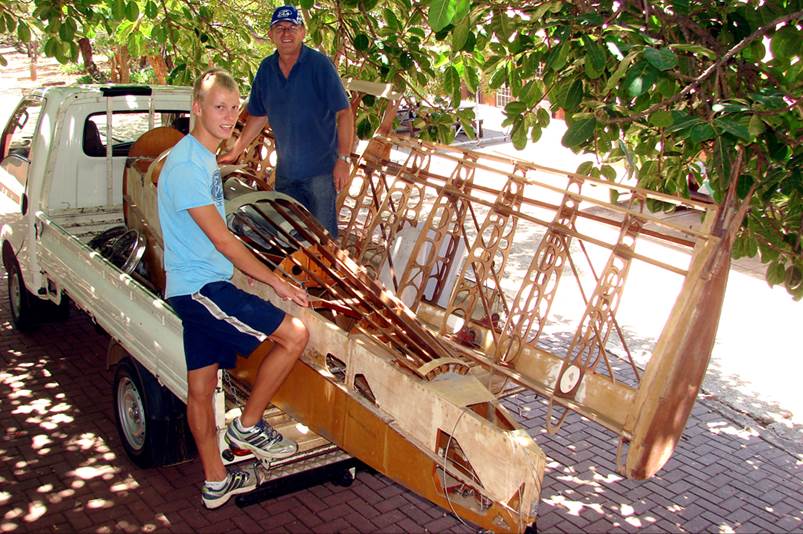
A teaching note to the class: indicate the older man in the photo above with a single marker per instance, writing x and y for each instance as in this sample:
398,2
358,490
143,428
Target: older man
298,91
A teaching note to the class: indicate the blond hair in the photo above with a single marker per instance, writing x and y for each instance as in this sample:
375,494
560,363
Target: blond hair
214,77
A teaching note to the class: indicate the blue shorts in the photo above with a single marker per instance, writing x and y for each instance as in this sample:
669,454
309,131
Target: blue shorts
221,321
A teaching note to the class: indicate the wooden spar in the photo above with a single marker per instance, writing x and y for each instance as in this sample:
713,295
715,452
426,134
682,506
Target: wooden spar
519,214
418,176
446,151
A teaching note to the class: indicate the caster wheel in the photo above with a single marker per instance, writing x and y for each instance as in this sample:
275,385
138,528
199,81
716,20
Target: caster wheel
344,479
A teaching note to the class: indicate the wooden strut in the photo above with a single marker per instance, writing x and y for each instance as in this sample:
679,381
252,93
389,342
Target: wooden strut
570,232
379,308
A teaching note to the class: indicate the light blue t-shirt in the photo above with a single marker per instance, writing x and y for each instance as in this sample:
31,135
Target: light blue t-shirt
190,178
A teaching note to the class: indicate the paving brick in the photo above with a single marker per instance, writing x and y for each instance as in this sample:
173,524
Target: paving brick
394,502
360,522
386,520
364,509
334,512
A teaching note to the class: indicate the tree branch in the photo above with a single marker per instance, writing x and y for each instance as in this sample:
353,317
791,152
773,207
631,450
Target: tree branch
760,32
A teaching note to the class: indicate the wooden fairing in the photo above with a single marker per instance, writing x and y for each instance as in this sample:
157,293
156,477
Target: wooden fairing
438,225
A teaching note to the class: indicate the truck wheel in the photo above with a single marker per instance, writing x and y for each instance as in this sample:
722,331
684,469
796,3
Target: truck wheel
151,421
21,302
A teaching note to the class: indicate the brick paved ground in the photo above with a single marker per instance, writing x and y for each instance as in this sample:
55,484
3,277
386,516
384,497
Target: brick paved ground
62,467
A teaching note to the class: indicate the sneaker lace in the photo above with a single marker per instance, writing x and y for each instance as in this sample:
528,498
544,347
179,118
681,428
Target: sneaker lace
271,432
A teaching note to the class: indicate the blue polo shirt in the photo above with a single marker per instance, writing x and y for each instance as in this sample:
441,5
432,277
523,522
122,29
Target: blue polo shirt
301,110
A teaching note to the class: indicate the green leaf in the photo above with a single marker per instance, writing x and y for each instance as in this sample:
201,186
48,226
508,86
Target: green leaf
515,108
733,127
503,25
66,32
556,59
661,119
639,79
23,32
472,78
441,13
151,10
701,132
694,49
361,42
793,277
519,134
460,34
364,129
785,44
542,117
663,59
776,273
118,9
132,11
451,84
499,78
756,126
619,73
405,60
585,168
535,133
579,132
595,59
532,92
608,172
573,96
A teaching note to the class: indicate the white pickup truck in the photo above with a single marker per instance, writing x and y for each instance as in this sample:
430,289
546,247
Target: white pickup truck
69,160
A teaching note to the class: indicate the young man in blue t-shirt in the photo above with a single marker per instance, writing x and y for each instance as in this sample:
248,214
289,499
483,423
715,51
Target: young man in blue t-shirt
297,90
221,321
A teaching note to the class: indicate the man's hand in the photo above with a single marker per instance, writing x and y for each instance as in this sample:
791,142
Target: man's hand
290,292
229,157
341,174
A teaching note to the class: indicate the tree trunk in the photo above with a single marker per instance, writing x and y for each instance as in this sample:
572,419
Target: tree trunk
85,45
33,55
120,68
159,69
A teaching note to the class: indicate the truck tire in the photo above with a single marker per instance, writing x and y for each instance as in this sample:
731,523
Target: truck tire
20,301
151,420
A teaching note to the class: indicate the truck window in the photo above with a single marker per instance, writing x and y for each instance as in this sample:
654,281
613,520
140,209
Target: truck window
15,147
19,131
126,128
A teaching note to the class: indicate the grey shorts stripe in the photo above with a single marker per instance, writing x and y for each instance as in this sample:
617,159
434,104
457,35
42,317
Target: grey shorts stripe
217,313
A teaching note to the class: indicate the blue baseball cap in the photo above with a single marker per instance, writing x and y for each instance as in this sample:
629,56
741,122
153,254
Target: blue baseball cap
286,14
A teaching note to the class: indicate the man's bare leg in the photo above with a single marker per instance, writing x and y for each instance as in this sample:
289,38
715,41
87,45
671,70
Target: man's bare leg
289,339
201,385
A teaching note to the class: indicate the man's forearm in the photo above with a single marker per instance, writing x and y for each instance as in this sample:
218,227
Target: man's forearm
253,125
345,131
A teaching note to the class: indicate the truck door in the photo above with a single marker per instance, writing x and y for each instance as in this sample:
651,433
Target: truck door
15,154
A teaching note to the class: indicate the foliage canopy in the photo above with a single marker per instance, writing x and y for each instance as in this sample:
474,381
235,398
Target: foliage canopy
668,89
